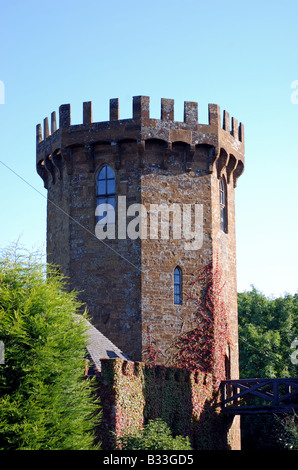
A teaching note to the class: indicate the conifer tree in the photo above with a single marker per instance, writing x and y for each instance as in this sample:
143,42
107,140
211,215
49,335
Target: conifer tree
45,401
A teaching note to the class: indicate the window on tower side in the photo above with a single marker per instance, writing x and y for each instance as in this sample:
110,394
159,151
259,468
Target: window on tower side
106,194
177,286
223,205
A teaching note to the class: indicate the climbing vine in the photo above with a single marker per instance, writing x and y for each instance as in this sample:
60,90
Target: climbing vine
152,351
133,393
203,348
185,394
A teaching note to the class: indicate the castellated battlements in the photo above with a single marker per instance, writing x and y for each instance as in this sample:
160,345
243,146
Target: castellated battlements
224,136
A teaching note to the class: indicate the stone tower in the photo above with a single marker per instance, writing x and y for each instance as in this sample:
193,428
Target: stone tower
135,282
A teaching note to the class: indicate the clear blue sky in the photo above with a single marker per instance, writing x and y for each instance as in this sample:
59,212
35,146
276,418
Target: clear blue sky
242,56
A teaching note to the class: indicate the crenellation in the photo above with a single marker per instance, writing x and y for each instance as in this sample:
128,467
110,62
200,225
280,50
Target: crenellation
234,130
190,112
241,132
53,122
161,128
141,107
39,137
226,121
232,126
87,112
114,109
226,136
64,116
46,130
214,115
167,109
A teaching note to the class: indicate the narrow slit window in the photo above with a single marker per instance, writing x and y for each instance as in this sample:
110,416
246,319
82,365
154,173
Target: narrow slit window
223,205
106,194
177,286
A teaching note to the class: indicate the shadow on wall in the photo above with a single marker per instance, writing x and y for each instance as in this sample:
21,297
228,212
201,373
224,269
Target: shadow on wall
211,429
131,393
168,395
176,396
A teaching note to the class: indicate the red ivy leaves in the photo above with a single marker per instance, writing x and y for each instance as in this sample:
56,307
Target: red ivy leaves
204,347
152,351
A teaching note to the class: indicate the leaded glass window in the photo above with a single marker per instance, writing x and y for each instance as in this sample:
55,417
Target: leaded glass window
177,286
106,194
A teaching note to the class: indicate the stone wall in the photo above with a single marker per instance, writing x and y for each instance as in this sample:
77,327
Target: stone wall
131,393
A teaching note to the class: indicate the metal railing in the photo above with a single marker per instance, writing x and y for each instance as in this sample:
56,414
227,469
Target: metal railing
252,396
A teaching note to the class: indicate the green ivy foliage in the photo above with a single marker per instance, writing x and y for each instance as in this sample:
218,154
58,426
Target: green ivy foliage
46,403
289,436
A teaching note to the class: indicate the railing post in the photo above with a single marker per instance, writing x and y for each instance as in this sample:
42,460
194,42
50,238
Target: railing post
234,392
275,392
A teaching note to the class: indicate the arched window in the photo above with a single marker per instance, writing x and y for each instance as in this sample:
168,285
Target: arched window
177,286
223,205
106,194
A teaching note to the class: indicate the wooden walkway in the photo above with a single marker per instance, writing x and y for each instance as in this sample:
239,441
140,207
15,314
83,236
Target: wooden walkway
259,396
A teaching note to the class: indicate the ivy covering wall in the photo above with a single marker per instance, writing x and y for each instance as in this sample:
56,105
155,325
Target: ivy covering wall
132,393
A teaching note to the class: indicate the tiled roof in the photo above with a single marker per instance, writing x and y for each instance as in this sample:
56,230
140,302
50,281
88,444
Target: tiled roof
99,347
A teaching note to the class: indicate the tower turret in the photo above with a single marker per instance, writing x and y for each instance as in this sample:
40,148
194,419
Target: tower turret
153,171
